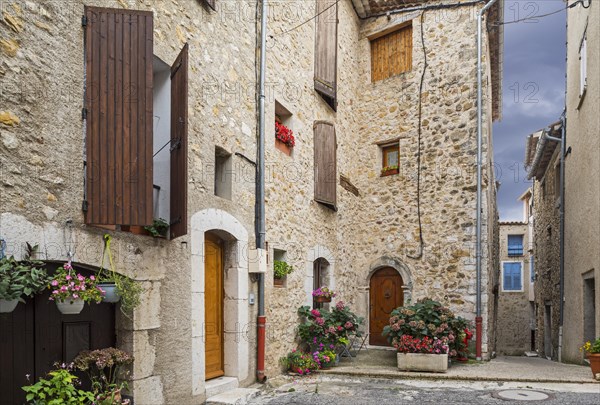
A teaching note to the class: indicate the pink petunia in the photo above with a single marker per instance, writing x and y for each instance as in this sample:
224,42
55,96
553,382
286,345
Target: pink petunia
92,278
68,277
54,283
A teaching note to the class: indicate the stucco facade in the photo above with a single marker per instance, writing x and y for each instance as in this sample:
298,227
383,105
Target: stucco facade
42,138
582,188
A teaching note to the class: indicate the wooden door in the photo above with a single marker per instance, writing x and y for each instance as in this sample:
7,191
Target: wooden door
213,306
385,295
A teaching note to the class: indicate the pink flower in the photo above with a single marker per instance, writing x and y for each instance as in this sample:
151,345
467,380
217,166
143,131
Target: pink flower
54,283
340,328
55,292
319,321
92,278
348,325
80,277
68,277
315,312
340,305
75,296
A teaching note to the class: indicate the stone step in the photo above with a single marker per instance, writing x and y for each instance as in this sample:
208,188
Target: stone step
238,396
220,385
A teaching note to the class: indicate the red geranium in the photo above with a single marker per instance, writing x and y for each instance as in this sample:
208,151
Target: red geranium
284,134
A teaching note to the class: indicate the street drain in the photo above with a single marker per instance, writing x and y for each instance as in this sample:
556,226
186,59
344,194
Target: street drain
521,395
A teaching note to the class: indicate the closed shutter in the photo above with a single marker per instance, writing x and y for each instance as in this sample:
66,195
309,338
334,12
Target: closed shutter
179,125
391,54
325,163
118,57
326,51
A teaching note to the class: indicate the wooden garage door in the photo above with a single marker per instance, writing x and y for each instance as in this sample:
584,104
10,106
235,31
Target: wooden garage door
36,335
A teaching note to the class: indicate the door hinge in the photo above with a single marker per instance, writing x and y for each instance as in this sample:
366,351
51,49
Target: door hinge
84,206
175,145
84,21
84,113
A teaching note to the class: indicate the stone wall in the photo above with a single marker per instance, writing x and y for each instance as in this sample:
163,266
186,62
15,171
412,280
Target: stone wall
514,323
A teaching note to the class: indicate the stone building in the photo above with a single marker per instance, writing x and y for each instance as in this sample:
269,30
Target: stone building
515,332
186,72
582,169
545,172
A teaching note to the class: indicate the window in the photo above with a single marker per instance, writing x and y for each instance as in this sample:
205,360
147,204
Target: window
325,164
512,276
223,173
531,268
391,54
320,277
583,65
284,116
515,245
121,100
390,157
557,181
326,51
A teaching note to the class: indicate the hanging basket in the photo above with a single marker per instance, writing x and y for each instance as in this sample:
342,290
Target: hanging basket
72,306
321,299
111,294
7,306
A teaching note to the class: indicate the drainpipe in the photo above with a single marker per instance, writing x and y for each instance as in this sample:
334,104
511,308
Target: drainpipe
260,196
478,318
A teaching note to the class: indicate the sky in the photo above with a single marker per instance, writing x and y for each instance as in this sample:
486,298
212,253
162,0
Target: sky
533,91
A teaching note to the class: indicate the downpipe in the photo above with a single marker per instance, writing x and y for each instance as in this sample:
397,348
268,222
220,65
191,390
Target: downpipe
478,317
260,197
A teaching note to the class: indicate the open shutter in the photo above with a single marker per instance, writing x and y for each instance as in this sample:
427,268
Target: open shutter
118,57
326,51
179,126
325,163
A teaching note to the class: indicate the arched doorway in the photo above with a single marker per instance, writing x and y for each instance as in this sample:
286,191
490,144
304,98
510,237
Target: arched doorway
213,307
385,294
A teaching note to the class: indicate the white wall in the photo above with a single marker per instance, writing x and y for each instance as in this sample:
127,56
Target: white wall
162,134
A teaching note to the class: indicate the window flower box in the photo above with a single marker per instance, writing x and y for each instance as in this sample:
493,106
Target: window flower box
436,363
389,170
284,138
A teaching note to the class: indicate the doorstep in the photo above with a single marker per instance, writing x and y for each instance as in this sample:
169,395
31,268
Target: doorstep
238,396
220,385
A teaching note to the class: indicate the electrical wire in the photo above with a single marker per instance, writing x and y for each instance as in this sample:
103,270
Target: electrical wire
419,131
305,22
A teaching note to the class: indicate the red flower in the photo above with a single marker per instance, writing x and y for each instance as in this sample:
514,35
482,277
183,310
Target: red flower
284,134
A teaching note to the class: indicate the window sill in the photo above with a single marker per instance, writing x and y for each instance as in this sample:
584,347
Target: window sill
390,172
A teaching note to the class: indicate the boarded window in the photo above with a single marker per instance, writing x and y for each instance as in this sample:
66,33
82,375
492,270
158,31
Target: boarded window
119,117
326,51
325,163
391,54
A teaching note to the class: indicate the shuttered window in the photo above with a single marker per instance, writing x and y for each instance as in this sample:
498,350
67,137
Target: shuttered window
119,121
326,51
391,54
512,279
325,163
515,245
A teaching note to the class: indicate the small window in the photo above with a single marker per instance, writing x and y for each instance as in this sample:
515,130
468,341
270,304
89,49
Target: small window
512,276
515,245
390,159
532,268
391,54
285,139
281,268
223,173
583,65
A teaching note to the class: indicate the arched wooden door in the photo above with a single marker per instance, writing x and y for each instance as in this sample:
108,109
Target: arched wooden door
385,295
213,306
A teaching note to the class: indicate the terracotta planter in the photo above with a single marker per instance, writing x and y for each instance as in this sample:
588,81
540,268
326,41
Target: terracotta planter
278,282
283,147
7,306
70,306
390,172
594,363
323,299
436,363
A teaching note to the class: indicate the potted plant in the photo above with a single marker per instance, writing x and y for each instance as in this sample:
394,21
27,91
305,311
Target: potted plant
105,368
59,387
389,170
158,229
592,350
71,291
424,334
299,362
280,270
19,280
323,294
284,138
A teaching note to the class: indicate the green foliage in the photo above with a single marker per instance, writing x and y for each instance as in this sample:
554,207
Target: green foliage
104,367
130,293
281,269
158,228
57,389
20,279
592,347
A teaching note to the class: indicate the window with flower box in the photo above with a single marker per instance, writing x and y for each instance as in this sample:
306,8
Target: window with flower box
390,159
285,139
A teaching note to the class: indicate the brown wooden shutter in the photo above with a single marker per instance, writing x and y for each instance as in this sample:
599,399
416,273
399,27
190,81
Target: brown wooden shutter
179,125
391,54
118,57
211,4
325,163
326,51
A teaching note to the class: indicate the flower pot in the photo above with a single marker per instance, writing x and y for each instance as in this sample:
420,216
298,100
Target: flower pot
322,299
283,147
594,363
278,282
436,363
112,295
7,306
389,172
71,306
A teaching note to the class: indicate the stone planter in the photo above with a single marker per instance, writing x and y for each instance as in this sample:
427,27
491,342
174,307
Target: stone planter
70,306
112,294
7,306
436,363
594,363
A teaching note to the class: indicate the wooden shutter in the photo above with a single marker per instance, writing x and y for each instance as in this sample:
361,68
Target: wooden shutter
391,54
325,163
118,57
326,51
179,126
211,4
